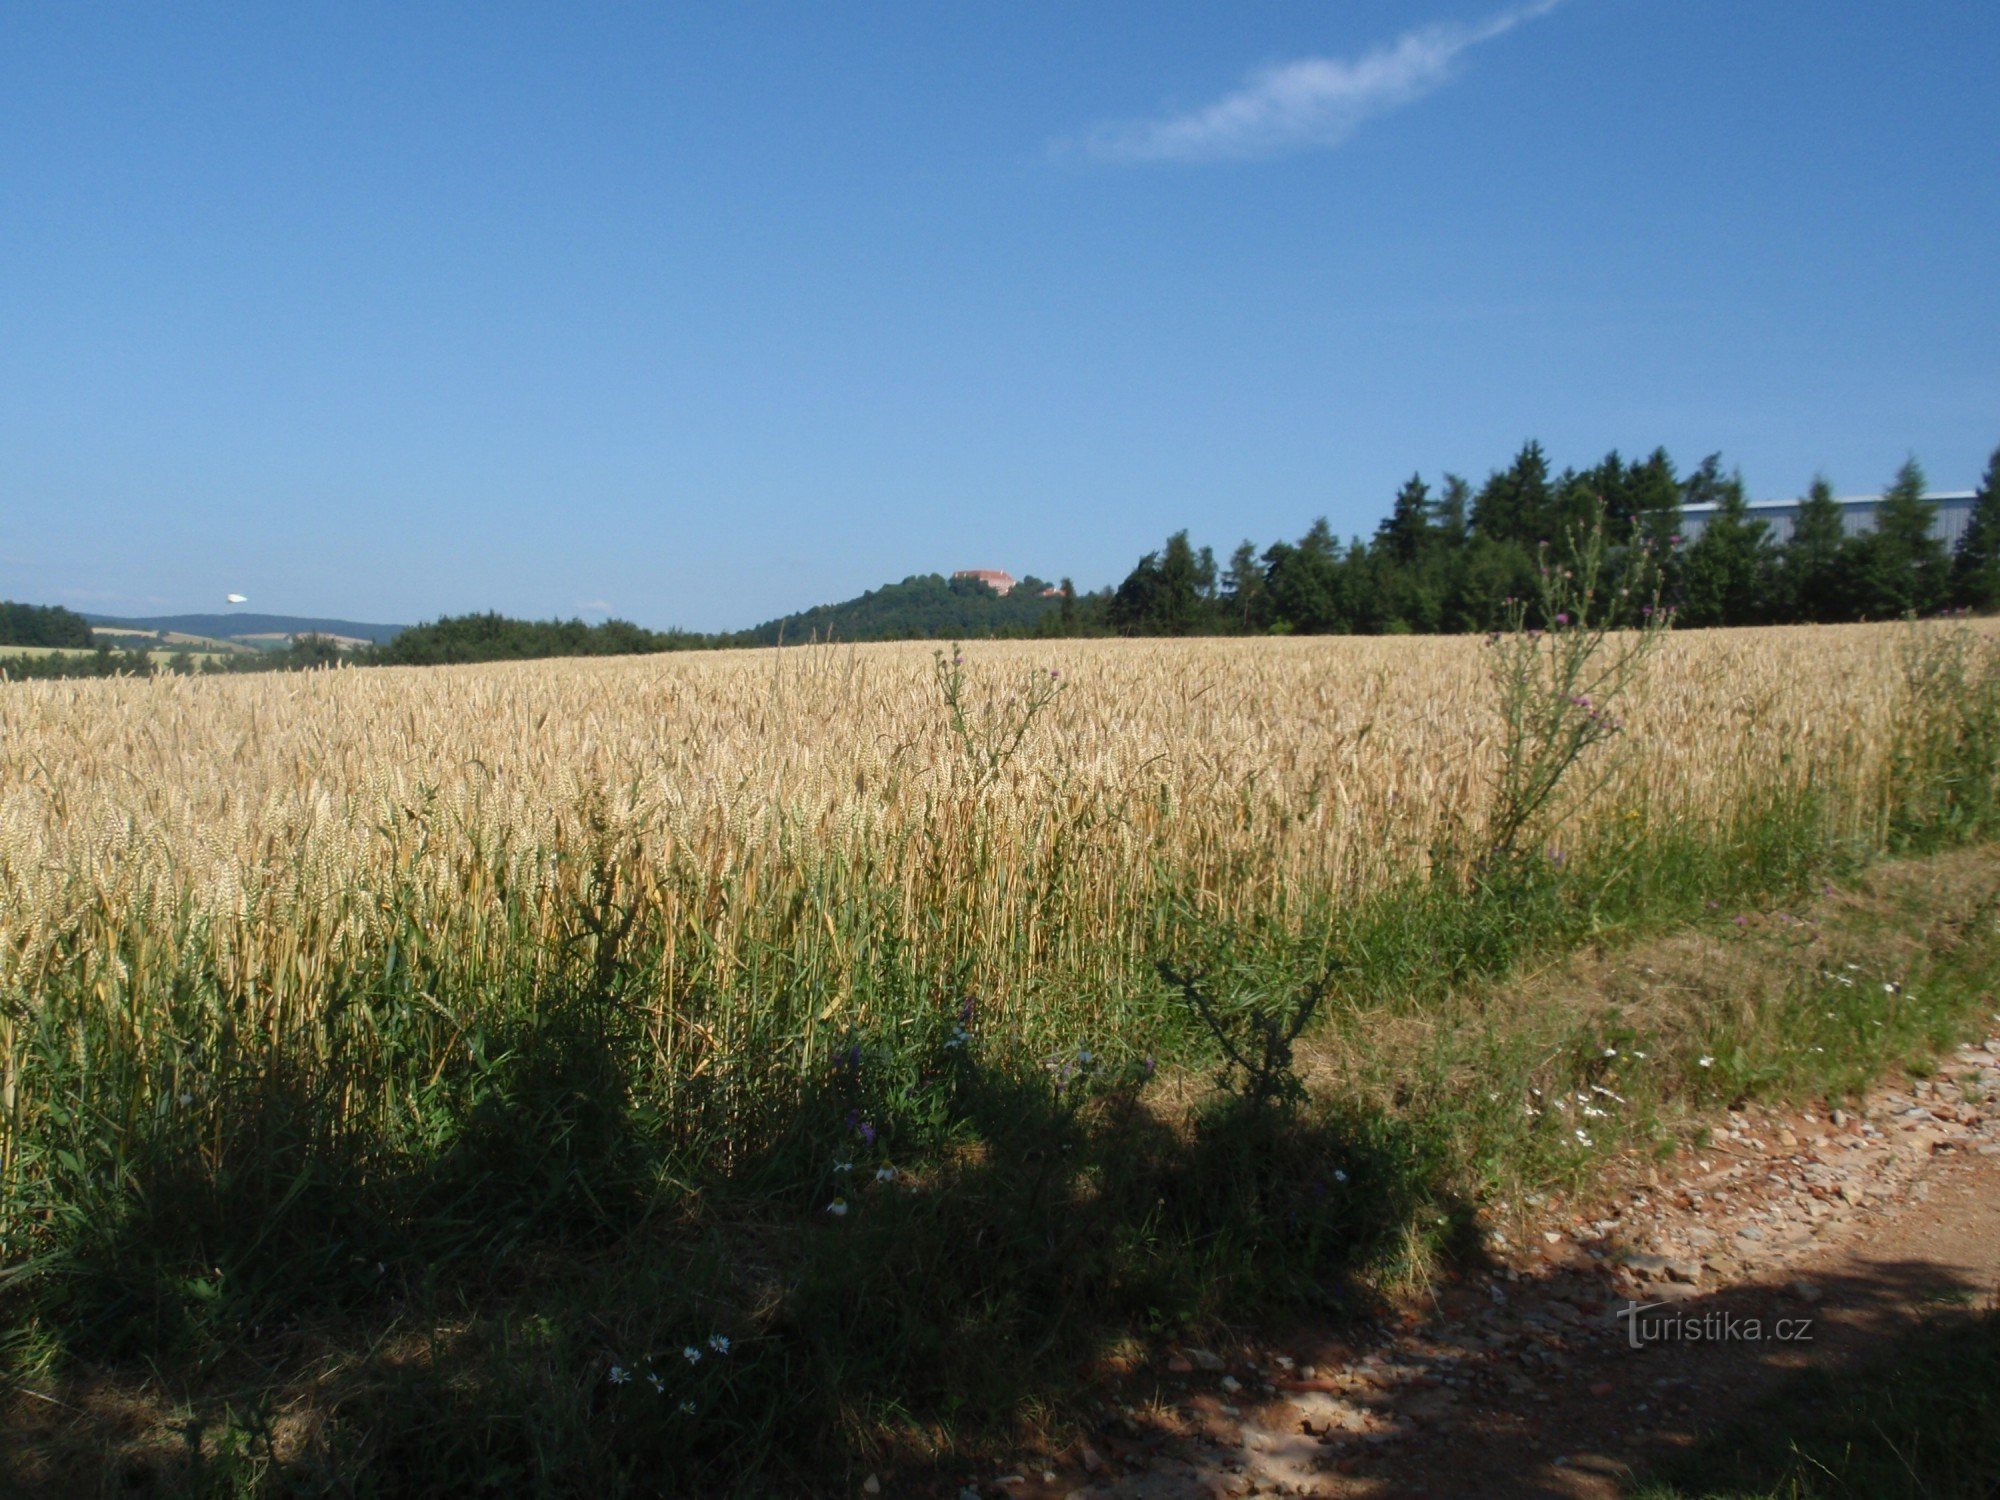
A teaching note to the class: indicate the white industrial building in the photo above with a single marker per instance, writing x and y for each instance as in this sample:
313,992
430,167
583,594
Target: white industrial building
1857,514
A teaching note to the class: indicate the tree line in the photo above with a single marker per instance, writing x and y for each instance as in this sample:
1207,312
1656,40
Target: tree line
1442,560
97,659
44,625
1446,560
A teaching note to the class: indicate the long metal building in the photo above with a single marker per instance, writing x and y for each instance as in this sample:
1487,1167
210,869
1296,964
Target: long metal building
1857,514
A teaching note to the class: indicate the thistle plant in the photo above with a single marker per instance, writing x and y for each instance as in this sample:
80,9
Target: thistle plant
990,733
1561,669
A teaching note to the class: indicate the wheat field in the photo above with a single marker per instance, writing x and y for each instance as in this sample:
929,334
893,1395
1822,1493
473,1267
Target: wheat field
294,939
277,820
274,832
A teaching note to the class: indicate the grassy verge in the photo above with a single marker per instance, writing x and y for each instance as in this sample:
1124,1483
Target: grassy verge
425,1242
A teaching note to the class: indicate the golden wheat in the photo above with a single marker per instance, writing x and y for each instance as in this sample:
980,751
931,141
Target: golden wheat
277,807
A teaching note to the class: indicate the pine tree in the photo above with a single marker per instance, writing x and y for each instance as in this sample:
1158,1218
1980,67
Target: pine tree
1453,509
1178,603
1243,585
1810,568
1513,505
1727,573
1608,486
1653,492
1405,532
1900,567
1304,583
1975,566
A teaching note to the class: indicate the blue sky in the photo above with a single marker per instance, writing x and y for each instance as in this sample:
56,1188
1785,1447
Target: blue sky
703,313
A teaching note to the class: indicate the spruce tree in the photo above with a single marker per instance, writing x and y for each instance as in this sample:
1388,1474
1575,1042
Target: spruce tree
1975,566
1810,568
1405,532
1727,573
1513,505
1453,511
1653,496
1900,567
1304,583
1243,585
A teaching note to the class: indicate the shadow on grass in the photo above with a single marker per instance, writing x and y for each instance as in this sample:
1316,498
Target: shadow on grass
1885,1387
268,1197
922,1245
1913,1412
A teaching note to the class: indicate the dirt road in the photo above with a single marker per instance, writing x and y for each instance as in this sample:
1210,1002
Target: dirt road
1794,1240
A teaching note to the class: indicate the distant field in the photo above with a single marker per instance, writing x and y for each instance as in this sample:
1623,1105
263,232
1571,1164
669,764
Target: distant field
159,654
278,640
122,637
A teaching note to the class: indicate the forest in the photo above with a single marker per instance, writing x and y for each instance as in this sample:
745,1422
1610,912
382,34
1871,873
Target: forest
1446,561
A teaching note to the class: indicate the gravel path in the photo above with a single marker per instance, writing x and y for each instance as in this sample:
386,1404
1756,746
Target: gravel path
1792,1240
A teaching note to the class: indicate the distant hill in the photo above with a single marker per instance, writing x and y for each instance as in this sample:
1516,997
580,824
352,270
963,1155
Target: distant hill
236,625
924,606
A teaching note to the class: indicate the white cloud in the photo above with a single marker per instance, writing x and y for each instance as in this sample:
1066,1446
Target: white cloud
1313,103
596,606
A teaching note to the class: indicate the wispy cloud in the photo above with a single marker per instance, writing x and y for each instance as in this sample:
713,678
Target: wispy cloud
595,606
1312,103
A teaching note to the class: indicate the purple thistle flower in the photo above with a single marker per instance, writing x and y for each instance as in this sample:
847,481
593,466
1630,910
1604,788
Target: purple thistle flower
866,1132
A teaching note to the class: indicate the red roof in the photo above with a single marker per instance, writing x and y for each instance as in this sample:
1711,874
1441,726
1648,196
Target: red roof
993,578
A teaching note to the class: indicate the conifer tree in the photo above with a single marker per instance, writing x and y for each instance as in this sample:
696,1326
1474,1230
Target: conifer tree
1810,569
1899,568
1513,505
1453,511
1975,566
1405,532
1726,575
1243,584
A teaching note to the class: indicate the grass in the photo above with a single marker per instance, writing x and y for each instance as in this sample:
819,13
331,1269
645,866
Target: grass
382,1129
